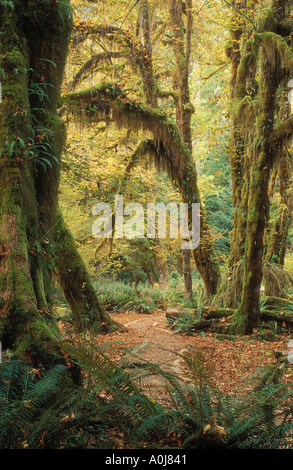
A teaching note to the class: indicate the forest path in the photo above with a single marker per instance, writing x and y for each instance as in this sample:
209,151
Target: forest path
158,343
151,339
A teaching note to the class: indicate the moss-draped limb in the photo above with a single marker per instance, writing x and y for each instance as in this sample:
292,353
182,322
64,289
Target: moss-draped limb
170,153
76,284
139,54
169,150
277,49
90,65
109,102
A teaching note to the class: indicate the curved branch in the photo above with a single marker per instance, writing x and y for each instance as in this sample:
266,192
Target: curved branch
123,38
92,63
130,46
108,101
275,43
170,154
168,93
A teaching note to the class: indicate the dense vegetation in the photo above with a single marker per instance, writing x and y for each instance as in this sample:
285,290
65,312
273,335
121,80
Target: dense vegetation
161,102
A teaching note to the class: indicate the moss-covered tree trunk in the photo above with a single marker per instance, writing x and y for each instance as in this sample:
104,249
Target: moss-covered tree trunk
276,279
265,62
204,257
184,109
260,158
33,48
76,284
229,294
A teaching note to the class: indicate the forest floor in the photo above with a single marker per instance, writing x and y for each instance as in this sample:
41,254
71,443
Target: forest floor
233,362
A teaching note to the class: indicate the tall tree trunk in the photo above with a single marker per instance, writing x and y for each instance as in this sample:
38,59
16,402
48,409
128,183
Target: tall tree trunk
231,288
204,258
258,126
181,46
259,67
33,49
147,71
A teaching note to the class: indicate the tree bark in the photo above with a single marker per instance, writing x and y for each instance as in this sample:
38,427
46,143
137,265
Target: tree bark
34,40
257,138
205,260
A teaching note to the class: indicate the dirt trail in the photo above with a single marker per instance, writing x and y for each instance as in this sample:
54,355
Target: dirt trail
232,361
159,343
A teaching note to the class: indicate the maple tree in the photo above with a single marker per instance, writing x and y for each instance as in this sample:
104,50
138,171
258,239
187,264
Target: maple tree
170,148
34,241
261,56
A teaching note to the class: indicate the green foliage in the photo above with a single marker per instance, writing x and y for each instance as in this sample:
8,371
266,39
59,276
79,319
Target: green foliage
264,417
114,401
38,147
260,417
23,398
143,297
186,323
118,295
7,3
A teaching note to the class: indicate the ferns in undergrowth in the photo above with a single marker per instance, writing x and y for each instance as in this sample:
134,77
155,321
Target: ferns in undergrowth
49,412
118,386
261,417
41,413
23,397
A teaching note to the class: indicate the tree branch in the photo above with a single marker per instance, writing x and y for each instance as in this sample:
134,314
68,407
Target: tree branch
92,63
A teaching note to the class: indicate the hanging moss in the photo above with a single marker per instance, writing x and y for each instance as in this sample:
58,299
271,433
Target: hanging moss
168,151
267,20
278,51
276,236
265,59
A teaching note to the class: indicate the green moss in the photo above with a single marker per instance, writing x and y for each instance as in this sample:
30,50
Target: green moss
39,345
239,322
34,41
267,20
170,154
76,285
